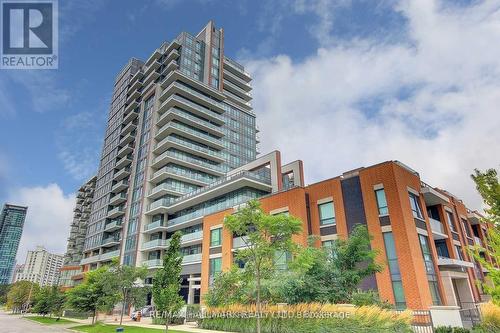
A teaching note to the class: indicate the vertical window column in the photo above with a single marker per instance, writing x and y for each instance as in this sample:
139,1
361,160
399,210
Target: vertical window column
392,260
429,267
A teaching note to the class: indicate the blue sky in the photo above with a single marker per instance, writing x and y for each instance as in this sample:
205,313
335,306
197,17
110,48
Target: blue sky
413,80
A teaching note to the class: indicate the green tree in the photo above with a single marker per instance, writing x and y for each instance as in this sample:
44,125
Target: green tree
22,295
265,236
488,186
98,292
42,303
4,290
167,281
229,287
129,282
332,274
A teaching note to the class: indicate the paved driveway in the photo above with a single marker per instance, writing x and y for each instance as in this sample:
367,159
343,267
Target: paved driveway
16,324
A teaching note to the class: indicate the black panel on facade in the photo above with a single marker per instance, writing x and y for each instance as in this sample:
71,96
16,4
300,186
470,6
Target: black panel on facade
384,220
330,230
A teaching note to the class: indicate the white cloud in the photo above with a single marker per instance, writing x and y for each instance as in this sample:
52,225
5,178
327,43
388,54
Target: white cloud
430,101
50,213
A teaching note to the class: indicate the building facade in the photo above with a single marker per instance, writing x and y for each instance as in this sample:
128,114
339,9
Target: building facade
180,154
179,121
421,233
41,267
11,229
71,270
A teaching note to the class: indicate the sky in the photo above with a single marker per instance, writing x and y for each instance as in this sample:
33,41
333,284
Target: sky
338,84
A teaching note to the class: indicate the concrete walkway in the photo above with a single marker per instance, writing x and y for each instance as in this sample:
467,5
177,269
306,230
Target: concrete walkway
17,324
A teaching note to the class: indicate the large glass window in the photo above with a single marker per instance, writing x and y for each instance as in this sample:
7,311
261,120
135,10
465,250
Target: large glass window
215,267
429,267
392,260
449,219
466,227
216,237
415,206
381,202
281,259
326,213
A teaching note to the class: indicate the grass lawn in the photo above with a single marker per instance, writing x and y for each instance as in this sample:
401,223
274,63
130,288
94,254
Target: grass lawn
50,320
102,328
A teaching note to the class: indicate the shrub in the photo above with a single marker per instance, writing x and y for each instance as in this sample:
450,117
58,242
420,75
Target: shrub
490,314
365,298
173,321
310,317
449,329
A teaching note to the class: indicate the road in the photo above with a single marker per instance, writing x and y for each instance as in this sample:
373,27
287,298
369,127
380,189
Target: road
16,324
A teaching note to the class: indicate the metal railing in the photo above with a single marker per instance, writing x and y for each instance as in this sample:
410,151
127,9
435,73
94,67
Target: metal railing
189,130
185,115
190,175
215,167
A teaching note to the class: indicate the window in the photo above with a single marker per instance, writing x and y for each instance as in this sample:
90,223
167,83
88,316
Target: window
392,260
466,227
449,219
328,243
458,251
415,206
326,213
215,267
216,237
381,202
429,267
281,259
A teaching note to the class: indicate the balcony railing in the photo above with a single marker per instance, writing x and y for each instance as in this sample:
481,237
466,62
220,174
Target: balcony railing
194,161
155,243
154,225
191,131
153,263
192,236
194,119
187,144
436,226
187,174
239,242
198,108
191,258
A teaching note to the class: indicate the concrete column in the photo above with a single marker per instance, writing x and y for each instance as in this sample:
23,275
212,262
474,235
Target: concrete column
191,290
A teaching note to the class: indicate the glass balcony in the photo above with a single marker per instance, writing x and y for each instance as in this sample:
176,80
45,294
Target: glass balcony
184,103
189,162
191,259
118,199
124,151
155,227
124,161
155,244
192,237
113,225
236,68
192,94
169,172
110,255
190,147
190,133
115,212
237,91
163,189
242,84
175,113
110,241
437,229
240,242
122,173
153,263
120,186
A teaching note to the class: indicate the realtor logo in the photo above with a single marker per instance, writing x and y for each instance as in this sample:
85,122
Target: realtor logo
29,34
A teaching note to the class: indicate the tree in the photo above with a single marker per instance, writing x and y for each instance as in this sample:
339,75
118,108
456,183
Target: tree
332,274
167,281
4,290
129,283
21,295
98,292
42,304
264,236
229,287
488,186
49,300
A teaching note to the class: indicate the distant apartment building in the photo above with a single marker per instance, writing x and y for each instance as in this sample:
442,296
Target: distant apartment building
41,267
180,153
11,229
17,269
71,269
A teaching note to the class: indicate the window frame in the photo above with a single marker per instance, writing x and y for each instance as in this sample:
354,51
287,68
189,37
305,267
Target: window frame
381,208
321,220
415,200
212,232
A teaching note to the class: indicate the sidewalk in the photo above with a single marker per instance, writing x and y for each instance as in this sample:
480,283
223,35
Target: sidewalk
146,323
